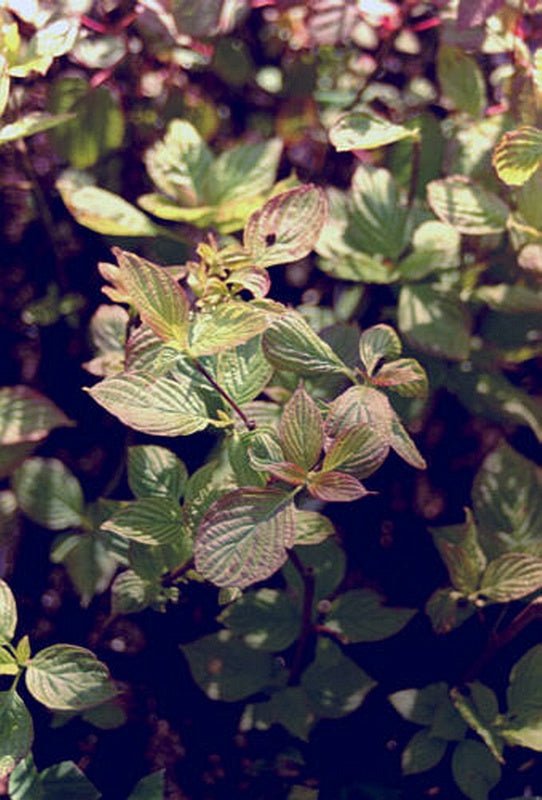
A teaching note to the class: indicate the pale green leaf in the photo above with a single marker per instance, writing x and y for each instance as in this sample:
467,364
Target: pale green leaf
301,430
406,376
378,223
149,520
4,84
8,612
479,707
435,321
467,206
287,227
510,577
130,593
358,450
510,299
242,171
265,619
475,770
151,787
64,677
360,616
422,752
160,406
312,527
461,552
154,471
24,781
436,247
243,371
28,125
359,130
88,561
27,416
420,705
225,326
243,536
103,211
378,343
461,80
290,343
518,155
49,493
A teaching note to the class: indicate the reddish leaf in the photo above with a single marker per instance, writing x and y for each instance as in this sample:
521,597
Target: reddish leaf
335,487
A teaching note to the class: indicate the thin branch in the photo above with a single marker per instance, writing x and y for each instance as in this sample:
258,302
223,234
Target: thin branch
307,575
249,424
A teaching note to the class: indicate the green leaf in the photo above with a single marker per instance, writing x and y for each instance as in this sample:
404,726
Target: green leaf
479,707
8,612
4,84
518,155
474,769
460,550
287,227
130,593
327,563
448,609
88,561
266,620
49,494
160,406
434,321
524,693
507,501
377,344
289,707
406,376
16,728
243,371
335,487
68,678
360,616
291,344
420,705
151,787
510,577
378,224
96,126
467,206
149,520
24,781
66,780
154,471
510,299
461,80
27,416
226,669
179,162
244,535
8,663
312,527
30,124
422,752
436,246
358,450
230,324
158,298
242,171
301,430
336,686
359,130
103,211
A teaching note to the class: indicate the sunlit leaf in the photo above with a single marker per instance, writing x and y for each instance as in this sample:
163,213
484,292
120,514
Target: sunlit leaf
378,343
8,612
290,343
149,520
467,206
301,430
359,450
359,130
27,416
335,487
31,123
154,471
64,677
242,171
435,321
511,576
461,80
378,224
103,211
228,325
518,155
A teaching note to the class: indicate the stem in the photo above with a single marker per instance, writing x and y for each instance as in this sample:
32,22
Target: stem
415,172
499,640
307,576
178,572
249,424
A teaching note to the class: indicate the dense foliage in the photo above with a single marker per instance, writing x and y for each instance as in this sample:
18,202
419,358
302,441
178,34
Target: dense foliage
291,503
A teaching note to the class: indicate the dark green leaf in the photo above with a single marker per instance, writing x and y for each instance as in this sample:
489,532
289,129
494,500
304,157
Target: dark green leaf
459,548
422,752
360,616
461,80
266,619
49,494
151,787
475,770
16,729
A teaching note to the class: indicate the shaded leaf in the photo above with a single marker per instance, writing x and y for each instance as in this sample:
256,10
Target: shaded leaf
16,728
479,707
360,616
377,344
448,609
27,416
467,206
67,780
378,224
49,494
422,752
312,527
327,563
30,124
461,80
265,619
459,548
151,787
434,321
475,770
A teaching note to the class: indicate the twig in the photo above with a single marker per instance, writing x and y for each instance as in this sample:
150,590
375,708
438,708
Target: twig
307,575
249,424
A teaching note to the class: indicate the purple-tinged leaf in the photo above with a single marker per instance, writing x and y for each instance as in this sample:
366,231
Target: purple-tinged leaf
472,13
359,451
461,552
243,537
226,326
377,344
510,577
291,344
301,430
27,416
406,376
335,487
287,227
288,472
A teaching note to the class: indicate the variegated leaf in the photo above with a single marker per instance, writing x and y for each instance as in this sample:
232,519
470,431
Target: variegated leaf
301,430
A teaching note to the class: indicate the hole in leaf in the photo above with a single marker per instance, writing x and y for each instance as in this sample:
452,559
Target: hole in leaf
270,239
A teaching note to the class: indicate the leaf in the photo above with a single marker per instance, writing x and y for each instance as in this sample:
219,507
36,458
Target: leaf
265,620
474,769
160,406
228,325
8,612
290,343
88,561
96,122
301,430
448,609
27,416
179,162
287,227
158,298
378,224
245,170
406,376
68,678
335,487
420,705
327,563
16,728
359,405
335,685
67,780
130,593
460,550
149,520
422,752
244,535
359,130
243,371
154,471
358,450
524,693
360,616
49,494
518,155
312,527
151,787
507,501
470,14
30,124
4,84
434,321
289,707
510,577
103,211
467,206
24,781
478,705
377,344
461,80
437,247
226,669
